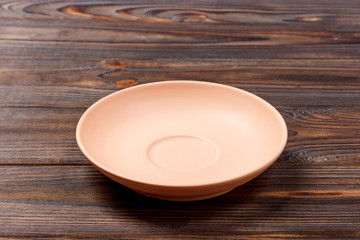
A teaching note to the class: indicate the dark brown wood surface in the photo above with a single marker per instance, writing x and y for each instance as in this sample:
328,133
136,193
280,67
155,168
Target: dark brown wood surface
59,57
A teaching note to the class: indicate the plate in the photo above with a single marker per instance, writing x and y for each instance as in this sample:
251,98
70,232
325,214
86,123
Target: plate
181,140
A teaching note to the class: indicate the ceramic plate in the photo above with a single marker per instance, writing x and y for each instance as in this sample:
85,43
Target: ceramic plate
181,140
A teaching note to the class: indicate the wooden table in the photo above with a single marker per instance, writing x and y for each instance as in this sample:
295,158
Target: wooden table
59,57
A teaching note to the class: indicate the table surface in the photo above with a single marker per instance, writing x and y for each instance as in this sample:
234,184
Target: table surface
59,57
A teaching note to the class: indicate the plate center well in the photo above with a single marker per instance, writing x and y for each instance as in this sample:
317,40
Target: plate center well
182,153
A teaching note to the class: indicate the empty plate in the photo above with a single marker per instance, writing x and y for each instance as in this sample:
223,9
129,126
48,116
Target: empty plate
181,140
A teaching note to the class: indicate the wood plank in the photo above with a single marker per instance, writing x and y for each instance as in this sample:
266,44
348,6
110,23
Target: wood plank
53,81
190,14
297,202
39,136
234,35
312,134
317,136
141,51
305,30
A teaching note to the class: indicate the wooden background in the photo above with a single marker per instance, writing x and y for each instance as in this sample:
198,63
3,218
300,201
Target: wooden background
59,57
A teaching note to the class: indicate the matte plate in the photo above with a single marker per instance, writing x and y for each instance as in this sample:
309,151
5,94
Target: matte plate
181,140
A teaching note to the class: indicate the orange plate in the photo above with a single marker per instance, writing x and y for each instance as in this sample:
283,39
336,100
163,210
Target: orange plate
181,140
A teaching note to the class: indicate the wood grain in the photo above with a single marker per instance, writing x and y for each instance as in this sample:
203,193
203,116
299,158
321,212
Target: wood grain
54,82
59,57
39,136
210,23
303,54
47,136
77,200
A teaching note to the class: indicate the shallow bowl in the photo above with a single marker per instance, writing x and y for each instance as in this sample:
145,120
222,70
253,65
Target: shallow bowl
181,140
